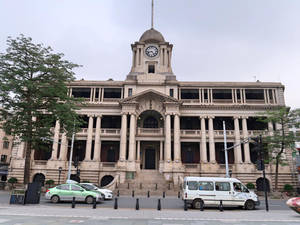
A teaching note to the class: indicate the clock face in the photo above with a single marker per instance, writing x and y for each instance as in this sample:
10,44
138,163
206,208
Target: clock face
151,51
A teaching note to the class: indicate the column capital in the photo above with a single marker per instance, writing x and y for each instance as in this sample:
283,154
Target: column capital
124,113
245,117
210,117
236,117
132,113
90,115
99,115
168,114
203,116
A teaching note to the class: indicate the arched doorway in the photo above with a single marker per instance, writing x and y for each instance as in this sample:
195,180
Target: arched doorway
150,119
106,180
260,184
39,178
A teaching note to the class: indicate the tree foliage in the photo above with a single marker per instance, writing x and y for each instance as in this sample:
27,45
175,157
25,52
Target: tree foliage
34,93
281,138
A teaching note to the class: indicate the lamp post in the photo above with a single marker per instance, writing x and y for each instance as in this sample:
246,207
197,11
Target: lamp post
59,173
71,153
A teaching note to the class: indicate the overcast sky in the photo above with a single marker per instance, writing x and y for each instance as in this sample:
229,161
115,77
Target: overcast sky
214,40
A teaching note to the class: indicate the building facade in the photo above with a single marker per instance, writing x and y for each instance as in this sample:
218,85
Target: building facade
5,154
152,121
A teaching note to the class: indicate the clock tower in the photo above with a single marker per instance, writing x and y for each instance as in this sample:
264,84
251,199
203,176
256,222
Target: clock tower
151,58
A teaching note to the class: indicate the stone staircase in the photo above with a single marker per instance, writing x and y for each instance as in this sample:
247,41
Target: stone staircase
148,180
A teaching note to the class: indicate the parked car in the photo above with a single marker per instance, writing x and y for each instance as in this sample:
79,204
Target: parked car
66,192
108,194
209,191
294,204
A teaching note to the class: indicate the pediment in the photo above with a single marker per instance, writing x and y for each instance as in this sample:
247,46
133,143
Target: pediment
150,94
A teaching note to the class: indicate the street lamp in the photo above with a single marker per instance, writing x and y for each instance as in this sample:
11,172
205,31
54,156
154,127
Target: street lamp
71,153
59,173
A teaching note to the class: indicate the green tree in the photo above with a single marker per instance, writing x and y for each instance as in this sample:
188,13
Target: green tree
34,94
282,138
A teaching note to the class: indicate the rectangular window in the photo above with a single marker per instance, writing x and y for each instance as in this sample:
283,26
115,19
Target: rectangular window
222,186
96,93
206,186
151,69
6,144
189,93
193,185
171,92
3,158
112,92
254,94
129,92
222,94
81,92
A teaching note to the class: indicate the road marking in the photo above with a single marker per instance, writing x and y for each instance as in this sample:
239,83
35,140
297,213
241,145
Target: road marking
4,220
76,221
225,220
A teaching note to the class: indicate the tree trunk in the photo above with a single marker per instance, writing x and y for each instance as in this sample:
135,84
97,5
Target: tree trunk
276,174
27,163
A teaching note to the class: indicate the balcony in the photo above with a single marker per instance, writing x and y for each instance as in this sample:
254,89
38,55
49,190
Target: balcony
257,132
110,132
150,131
220,133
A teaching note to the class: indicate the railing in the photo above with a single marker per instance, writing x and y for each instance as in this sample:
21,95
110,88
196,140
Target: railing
150,131
222,101
110,131
190,132
40,162
257,132
111,99
229,133
190,100
255,101
108,164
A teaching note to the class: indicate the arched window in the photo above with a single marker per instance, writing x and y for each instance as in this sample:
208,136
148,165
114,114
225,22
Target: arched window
150,122
40,178
106,180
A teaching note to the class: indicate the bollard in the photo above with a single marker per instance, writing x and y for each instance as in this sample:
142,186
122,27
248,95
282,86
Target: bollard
148,194
159,205
137,205
178,194
118,193
94,203
133,193
185,205
155,186
116,203
201,205
73,202
164,194
221,206
141,185
169,186
127,185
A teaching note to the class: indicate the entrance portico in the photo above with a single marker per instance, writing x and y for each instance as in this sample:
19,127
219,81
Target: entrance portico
149,155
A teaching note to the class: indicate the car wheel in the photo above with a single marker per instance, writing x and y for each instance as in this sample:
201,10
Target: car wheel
54,199
197,203
249,205
89,199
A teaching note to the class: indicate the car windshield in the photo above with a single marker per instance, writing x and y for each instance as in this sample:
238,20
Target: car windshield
89,187
84,187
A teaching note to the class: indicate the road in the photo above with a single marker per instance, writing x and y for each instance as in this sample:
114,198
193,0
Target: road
172,213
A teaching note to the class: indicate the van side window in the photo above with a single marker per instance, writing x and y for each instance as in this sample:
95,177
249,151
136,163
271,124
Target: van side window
237,187
222,186
193,185
206,186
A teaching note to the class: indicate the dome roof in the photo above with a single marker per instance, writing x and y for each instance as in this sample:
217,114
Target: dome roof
152,35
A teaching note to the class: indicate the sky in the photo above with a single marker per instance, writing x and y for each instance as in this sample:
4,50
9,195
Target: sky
214,40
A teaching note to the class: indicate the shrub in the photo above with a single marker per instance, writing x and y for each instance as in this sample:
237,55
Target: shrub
288,188
12,181
50,182
250,186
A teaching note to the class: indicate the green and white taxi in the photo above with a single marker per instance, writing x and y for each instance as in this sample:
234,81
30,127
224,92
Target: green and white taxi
66,192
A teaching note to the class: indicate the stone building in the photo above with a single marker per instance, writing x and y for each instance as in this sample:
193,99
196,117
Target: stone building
152,125
6,143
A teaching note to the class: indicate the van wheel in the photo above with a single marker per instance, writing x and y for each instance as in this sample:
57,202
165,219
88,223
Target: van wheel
89,199
54,199
197,203
249,205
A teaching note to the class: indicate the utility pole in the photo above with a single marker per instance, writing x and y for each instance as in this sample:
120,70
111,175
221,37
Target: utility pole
71,153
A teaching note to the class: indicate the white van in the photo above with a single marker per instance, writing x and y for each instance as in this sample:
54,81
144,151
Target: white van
211,190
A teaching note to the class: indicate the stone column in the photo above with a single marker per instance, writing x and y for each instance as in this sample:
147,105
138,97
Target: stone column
132,143
246,145
88,148
55,141
97,147
212,151
237,149
138,150
177,153
203,151
270,128
168,138
160,150
123,137
63,147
